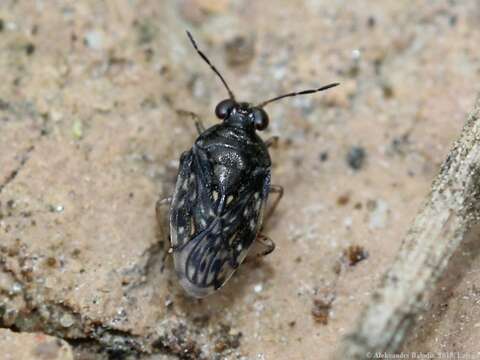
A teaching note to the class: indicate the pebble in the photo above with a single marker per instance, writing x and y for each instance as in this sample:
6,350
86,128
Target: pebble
379,215
66,320
77,130
94,40
356,157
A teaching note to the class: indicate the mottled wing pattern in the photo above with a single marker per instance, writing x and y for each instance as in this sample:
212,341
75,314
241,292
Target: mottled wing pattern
190,194
211,232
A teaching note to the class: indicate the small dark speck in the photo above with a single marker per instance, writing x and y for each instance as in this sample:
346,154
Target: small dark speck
324,156
388,91
353,71
343,199
4,105
356,157
371,22
240,50
2,25
321,311
394,279
147,32
148,53
30,49
371,205
297,161
400,144
354,254
51,262
377,64
453,20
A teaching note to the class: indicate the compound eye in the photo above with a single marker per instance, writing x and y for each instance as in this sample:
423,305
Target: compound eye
260,118
224,108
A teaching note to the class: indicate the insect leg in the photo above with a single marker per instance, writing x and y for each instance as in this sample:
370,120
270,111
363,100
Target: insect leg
164,201
278,191
272,142
164,260
166,253
267,243
158,206
198,122
161,203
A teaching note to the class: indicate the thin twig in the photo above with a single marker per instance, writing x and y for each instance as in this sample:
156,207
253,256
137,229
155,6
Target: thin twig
450,210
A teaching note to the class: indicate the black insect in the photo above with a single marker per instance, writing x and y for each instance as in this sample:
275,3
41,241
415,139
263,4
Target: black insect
223,182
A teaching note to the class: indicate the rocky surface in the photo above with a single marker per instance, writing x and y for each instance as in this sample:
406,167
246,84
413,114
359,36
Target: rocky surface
34,346
90,137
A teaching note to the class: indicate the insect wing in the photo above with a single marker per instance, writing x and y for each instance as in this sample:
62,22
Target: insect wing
210,232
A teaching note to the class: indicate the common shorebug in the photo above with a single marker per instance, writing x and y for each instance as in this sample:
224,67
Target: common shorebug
223,182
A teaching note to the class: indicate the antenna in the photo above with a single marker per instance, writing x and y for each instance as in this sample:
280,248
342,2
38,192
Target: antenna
304,92
204,57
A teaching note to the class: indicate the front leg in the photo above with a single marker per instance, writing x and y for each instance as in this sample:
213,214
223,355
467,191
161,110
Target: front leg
198,122
272,142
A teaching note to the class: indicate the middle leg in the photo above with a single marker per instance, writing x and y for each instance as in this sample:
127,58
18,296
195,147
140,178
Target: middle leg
261,238
266,242
278,192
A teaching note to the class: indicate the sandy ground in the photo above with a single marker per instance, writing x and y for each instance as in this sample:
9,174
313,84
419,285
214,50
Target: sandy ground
90,138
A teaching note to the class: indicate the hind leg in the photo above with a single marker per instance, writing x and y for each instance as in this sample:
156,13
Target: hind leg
267,244
159,215
159,205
